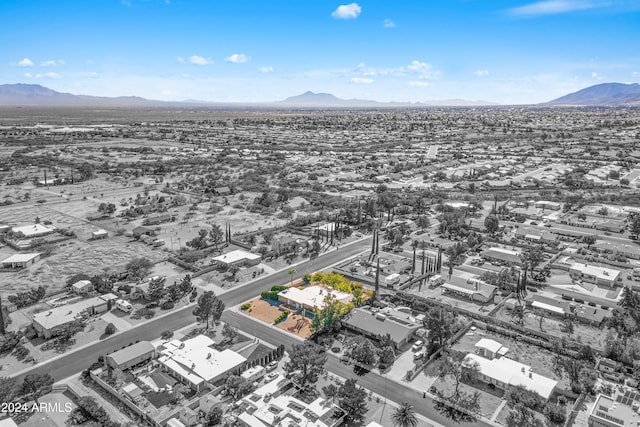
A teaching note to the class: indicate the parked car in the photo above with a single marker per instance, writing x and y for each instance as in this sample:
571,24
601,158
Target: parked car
419,355
417,345
270,376
271,366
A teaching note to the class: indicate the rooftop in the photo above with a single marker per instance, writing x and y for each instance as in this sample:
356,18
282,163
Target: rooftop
33,229
20,258
128,353
620,410
313,296
236,256
597,272
62,315
513,373
397,324
196,360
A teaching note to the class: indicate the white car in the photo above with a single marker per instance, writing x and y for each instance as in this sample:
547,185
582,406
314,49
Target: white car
419,355
270,376
271,366
417,345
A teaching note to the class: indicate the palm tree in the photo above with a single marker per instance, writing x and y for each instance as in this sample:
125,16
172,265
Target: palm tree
404,416
292,271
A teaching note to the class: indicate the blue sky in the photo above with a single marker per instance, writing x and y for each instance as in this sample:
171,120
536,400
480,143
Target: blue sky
509,52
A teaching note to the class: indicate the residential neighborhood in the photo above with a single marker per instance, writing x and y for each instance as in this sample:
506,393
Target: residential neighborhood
448,266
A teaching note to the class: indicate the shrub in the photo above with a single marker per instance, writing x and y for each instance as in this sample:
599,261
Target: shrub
125,288
110,329
166,335
167,305
282,316
272,295
246,306
20,352
147,313
278,288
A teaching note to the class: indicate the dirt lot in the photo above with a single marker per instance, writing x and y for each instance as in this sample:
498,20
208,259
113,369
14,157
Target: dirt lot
266,312
77,256
595,337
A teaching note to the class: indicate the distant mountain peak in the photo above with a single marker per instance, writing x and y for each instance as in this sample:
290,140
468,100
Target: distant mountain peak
23,94
603,94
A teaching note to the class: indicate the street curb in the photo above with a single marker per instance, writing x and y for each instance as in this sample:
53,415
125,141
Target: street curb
168,313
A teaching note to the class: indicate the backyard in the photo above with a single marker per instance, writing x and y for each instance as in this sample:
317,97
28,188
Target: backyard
267,312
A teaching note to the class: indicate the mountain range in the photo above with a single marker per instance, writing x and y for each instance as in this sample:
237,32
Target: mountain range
30,95
605,95
21,94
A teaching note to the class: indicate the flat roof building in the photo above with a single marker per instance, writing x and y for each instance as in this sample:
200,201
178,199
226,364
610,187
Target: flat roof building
131,356
269,407
196,362
238,257
33,230
503,255
593,274
20,261
621,410
46,322
504,372
311,296
400,326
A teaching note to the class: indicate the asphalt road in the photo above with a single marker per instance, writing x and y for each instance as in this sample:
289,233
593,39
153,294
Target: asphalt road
380,385
76,361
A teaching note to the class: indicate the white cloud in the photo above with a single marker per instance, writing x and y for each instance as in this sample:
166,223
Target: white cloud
28,75
596,76
388,23
237,58
418,83
422,69
52,63
552,7
265,70
481,73
635,74
361,80
180,59
347,11
25,62
48,76
200,60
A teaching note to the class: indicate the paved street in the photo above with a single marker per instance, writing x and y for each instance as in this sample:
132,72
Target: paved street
378,384
78,360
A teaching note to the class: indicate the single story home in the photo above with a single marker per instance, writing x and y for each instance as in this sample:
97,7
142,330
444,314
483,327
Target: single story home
268,406
196,363
311,297
503,373
238,257
82,287
502,255
142,230
400,326
592,274
473,289
20,261
132,355
46,323
33,230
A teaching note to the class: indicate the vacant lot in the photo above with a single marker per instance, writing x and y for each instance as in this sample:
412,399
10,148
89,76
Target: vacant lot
76,256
